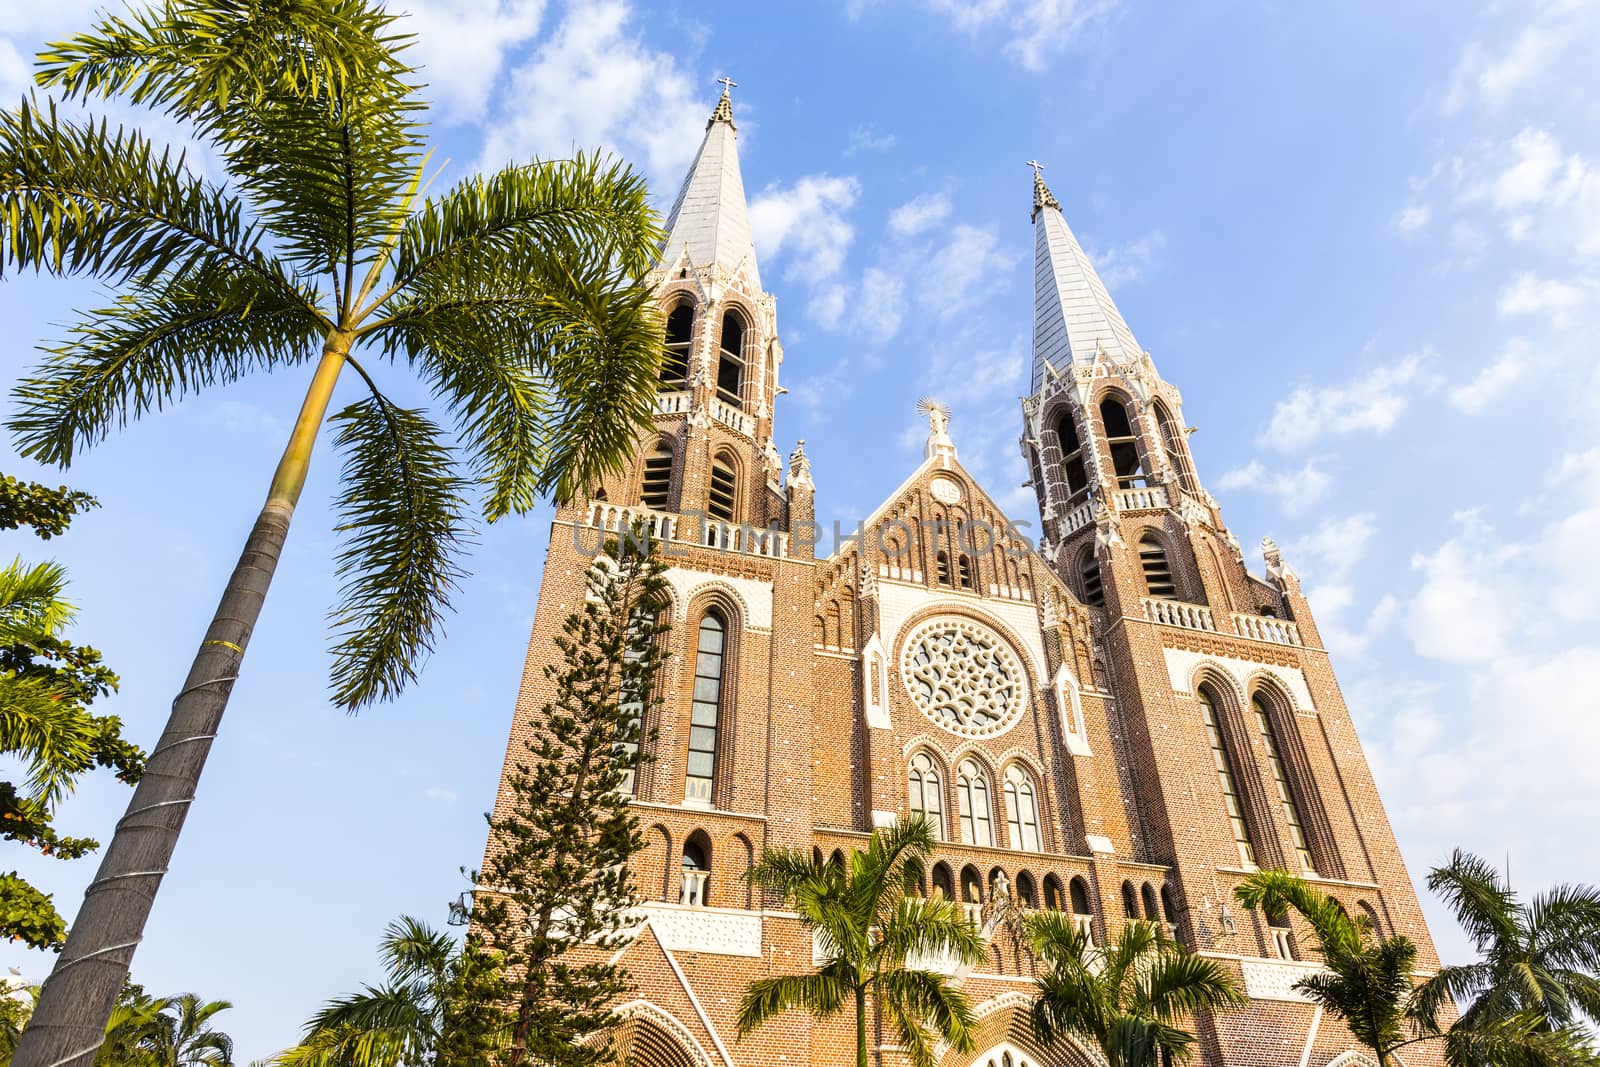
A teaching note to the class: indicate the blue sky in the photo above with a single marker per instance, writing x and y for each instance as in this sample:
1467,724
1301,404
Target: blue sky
1363,240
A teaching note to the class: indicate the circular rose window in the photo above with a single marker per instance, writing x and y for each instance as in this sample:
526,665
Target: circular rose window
963,676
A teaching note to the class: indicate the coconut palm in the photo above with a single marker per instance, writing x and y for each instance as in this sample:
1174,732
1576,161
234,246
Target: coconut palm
185,1036
437,998
872,934
1542,957
1371,983
511,300
1130,997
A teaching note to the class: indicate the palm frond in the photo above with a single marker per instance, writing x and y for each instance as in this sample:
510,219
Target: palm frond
915,927
821,994
1519,1040
151,348
32,602
926,999
1483,904
401,511
1179,983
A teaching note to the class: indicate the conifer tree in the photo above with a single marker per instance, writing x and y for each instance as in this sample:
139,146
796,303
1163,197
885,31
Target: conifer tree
555,895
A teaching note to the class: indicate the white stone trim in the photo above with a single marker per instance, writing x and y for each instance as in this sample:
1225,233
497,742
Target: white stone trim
1275,979
717,931
754,597
1069,706
875,684
1184,667
644,1009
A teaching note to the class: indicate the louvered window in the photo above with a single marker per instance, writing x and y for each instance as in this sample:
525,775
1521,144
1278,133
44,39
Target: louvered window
964,570
657,482
724,490
942,568
1157,568
1177,453
1089,575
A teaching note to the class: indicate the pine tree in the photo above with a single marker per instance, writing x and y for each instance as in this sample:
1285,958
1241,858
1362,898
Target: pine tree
555,895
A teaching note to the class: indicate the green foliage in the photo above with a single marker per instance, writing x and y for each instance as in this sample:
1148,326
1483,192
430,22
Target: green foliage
46,685
554,895
47,512
873,929
1371,983
438,1006
143,1031
1130,997
1540,961
516,298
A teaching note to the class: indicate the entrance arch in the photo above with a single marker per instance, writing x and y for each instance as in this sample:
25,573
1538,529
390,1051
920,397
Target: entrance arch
648,1036
1002,1029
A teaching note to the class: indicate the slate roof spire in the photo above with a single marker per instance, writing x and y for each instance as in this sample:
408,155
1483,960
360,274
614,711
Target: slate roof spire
1074,317
710,219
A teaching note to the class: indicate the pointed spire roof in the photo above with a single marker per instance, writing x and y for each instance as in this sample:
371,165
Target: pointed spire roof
710,220
1074,316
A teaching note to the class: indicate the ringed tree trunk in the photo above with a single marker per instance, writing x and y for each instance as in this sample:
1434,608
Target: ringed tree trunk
861,1026
68,1024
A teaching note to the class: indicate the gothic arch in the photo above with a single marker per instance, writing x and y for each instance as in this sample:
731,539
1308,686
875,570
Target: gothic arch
1220,677
1001,1025
649,1036
1352,1058
1265,679
1030,658
656,862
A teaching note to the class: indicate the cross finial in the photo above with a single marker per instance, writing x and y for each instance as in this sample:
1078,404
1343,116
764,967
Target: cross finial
1037,167
728,84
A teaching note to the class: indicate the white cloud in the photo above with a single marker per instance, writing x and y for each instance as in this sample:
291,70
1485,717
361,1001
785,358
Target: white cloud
1413,218
461,47
440,794
592,83
806,220
915,216
827,306
1333,549
1528,179
1495,379
964,270
1456,616
1527,295
1125,264
1493,78
869,139
882,304
16,74
1373,402
1035,30
1296,490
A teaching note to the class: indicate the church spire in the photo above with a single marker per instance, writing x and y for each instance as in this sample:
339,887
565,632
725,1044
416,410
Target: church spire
710,221
1074,317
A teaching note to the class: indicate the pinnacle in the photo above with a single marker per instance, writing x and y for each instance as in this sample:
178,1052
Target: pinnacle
724,110
1042,196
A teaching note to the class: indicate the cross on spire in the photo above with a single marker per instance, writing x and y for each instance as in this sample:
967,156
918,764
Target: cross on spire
727,83
724,108
1038,168
1042,196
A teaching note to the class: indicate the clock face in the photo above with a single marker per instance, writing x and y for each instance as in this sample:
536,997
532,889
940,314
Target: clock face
964,677
944,490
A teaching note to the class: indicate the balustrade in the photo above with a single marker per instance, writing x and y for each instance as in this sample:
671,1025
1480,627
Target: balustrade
1263,628
1178,613
692,530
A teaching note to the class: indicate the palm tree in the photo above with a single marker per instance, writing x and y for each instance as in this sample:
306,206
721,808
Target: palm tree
1541,958
514,298
873,932
1371,984
1128,997
185,1037
439,1003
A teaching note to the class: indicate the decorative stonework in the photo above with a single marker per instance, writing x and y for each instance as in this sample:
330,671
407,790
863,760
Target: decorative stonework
1275,979
964,677
722,933
944,490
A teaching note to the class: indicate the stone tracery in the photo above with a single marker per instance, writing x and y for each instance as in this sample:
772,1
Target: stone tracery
963,677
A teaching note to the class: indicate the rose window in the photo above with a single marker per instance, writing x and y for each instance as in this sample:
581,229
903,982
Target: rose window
963,677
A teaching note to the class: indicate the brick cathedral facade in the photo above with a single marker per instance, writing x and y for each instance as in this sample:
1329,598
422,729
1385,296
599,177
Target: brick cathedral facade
1121,721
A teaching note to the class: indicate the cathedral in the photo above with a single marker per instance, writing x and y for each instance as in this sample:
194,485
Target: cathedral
1121,721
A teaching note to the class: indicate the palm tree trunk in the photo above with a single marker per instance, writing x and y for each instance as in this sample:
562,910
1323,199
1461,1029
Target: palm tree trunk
68,1025
861,1026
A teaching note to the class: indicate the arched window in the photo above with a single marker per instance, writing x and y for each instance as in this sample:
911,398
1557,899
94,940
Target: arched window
680,339
1089,577
1148,894
657,482
1278,930
730,362
1073,468
1036,471
1372,917
964,570
1157,568
1022,810
1226,778
724,496
696,870
1291,811
971,885
1124,444
1177,454
1082,912
943,884
1052,892
632,699
972,796
1025,889
706,710
941,563
927,792
1130,901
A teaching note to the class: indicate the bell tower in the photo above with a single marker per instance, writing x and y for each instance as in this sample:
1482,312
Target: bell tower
712,458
